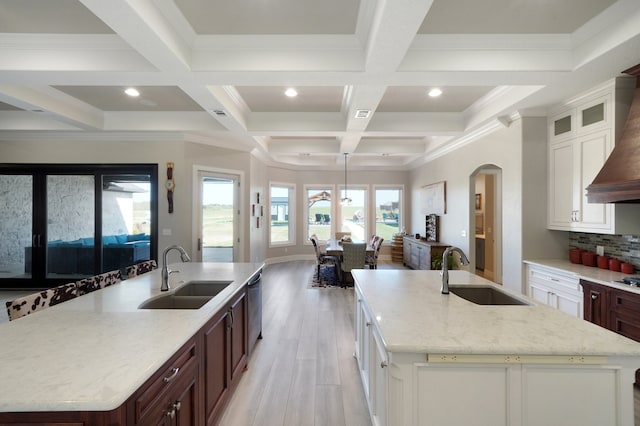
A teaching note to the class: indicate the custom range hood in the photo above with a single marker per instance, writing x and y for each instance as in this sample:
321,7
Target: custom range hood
619,179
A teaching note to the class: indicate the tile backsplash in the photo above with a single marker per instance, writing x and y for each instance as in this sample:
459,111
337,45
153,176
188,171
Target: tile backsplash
623,247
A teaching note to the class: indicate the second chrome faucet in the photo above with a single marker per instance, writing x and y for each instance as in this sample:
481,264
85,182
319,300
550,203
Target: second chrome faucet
445,266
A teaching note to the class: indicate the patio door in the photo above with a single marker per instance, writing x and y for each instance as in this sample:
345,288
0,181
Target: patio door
64,222
218,211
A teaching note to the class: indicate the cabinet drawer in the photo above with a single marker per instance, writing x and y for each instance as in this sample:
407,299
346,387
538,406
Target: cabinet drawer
173,371
625,301
554,280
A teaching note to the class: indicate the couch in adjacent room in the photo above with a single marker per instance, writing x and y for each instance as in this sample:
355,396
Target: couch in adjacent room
77,257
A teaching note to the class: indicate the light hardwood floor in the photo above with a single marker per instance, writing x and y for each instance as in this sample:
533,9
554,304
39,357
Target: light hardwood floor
303,371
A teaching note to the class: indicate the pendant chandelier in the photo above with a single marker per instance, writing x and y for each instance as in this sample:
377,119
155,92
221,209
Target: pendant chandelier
346,201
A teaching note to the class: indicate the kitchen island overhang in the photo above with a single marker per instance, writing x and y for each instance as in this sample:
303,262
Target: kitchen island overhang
422,355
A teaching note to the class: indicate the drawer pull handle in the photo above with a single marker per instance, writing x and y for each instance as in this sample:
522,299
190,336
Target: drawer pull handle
174,373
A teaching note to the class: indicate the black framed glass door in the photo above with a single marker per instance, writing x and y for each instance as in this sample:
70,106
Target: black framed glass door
63,223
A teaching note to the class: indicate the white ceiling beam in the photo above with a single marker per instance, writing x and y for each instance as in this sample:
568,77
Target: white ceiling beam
54,103
416,123
160,121
394,26
300,123
146,29
103,53
30,121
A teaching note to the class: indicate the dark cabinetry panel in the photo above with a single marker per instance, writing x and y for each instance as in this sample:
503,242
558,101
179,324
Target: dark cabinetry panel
613,309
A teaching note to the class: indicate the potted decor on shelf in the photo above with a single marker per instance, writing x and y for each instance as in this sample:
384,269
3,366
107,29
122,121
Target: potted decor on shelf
436,262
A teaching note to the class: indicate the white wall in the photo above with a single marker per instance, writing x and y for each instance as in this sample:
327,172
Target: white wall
521,154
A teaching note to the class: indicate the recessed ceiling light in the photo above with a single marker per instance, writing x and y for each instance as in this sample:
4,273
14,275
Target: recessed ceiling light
291,92
435,92
132,92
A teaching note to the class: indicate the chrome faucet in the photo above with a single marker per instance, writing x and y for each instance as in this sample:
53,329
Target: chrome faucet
445,266
165,265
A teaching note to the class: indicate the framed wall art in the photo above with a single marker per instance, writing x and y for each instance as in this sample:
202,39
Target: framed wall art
433,198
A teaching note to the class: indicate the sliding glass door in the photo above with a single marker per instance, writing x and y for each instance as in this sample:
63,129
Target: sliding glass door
61,223
16,225
70,226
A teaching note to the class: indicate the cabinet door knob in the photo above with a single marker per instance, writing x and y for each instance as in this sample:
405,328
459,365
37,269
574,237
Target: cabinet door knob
171,414
368,323
177,406
174,373
594,296
383,364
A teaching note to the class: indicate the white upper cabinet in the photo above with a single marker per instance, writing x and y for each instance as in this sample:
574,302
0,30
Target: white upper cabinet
581,137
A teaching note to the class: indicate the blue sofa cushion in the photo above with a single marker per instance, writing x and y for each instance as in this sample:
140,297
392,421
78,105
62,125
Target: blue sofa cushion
109,239
137,237
121,239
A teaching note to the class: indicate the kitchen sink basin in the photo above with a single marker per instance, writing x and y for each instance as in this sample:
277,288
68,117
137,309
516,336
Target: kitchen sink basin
171,301
201,288
486,295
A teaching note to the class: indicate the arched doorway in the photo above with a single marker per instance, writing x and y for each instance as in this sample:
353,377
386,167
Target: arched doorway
485,216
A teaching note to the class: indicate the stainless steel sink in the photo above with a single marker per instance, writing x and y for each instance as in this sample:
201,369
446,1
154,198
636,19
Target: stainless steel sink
191,295
171,301
485,295
201,288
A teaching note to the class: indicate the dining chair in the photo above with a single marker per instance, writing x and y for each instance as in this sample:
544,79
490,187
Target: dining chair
321,258
372,259
141,268
341,234
353,257
98,282
31,303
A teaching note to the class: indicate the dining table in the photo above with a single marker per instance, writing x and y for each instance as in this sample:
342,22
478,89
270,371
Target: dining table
335,248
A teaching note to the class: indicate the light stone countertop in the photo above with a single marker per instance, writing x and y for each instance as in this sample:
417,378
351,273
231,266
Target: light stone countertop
589,273
412,316
91,353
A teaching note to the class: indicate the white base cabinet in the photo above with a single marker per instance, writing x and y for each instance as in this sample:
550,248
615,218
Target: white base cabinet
411,389
372,364
558,290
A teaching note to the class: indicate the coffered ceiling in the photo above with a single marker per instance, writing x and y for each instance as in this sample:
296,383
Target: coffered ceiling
215,72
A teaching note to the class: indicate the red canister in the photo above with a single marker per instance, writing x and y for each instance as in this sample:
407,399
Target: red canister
603,262
627,268
575,255
614,265
588,258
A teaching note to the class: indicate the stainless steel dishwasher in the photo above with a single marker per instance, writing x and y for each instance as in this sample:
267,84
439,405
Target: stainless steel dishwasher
254,300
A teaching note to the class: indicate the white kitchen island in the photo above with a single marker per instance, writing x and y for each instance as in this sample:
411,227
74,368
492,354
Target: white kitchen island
431,359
